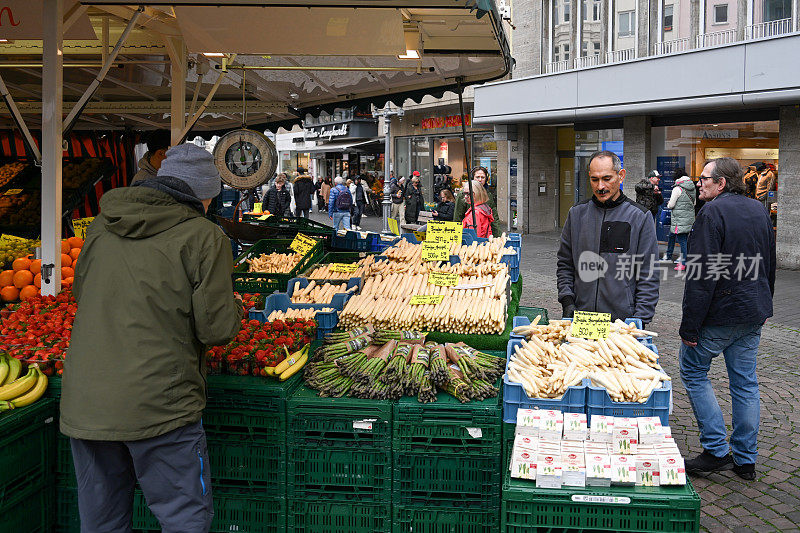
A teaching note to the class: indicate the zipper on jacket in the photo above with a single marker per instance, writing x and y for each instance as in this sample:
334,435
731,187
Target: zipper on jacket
597,287
202,482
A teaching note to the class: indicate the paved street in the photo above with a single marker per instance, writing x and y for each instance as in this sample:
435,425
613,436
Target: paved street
772,501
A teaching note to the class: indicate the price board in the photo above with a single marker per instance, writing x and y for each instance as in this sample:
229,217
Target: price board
420,235
588,325
439,231
257,207
427,299
302,244
435,251
443,279
394,227
81,225
347,268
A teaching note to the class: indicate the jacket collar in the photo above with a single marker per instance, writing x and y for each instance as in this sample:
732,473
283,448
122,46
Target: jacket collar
609,204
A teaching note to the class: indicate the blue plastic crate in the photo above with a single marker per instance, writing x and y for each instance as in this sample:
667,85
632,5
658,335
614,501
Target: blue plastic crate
513,271
377,244
326,321
338,300
598,402
515,397
637,322
352,241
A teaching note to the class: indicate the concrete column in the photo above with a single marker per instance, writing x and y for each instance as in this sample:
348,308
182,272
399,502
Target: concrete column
788,238
741,19
527,39
523,158
636,147
694,23
502,182
643,28
542,210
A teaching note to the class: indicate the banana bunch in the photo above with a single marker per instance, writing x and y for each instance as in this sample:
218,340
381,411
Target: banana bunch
291,365
18,391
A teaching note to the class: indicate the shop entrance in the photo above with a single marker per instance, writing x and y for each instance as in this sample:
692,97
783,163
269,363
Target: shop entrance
566,191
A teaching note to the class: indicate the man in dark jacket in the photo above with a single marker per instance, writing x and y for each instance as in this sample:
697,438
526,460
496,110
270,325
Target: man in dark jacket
730,280
157,145
608,250
649,195
278,200
153,289
396,192
414,200
303,189
359,202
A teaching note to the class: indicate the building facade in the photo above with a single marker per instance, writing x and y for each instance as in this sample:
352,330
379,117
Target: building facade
665,84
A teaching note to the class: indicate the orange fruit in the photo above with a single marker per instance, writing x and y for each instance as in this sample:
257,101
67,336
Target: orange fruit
67,272
75,242
36,266
65,247
37,280
9,294
21,263
74,253
69,280
28,291
66,260
6,278
22,278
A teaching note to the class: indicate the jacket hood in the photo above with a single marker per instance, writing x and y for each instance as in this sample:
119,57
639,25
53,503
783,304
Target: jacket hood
144,164
685,182
141,212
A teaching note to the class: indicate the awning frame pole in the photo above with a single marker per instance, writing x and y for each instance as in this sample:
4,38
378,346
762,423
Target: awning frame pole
20,122
194,118
72,118
467,157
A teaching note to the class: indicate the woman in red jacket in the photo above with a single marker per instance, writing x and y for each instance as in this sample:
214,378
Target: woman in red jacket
483,213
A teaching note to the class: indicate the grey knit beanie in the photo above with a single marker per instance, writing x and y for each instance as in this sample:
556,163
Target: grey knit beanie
194,166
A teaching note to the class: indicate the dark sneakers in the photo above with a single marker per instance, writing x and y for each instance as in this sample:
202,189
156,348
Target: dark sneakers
706,463
746,472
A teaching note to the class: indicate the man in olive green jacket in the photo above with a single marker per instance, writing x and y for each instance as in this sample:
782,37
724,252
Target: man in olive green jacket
153,285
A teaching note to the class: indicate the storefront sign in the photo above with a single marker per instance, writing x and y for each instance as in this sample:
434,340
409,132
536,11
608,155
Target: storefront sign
450,121
326,132
588,325
747,154
444,232
427,299
302,244
81,225
435,251
710,134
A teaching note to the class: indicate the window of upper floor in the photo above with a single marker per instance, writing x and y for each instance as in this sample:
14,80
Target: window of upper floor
721,14
626,23
668,17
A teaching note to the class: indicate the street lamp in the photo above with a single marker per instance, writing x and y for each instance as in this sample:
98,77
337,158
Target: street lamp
387,113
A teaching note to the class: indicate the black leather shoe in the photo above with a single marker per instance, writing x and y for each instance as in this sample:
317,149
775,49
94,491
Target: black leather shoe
746,471
706,463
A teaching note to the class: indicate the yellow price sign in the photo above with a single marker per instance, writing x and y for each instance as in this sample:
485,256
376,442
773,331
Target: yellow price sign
394,227
12,192
427,299
81,225
420,235
302,244
589,325
347,268
263,217
443,279
439,231
257,207
435,251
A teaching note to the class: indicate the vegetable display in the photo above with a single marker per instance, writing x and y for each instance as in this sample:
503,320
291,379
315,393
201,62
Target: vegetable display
297,314
326,271
314,293
274,263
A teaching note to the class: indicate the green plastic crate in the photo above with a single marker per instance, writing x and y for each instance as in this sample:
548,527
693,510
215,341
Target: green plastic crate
525,508
329,516
325,473
245,464
29,510
233,393
68,519
447,425
288,227
337,422
446,480
427,519
65,468
532,312
53,387
27,441
262,427
256,282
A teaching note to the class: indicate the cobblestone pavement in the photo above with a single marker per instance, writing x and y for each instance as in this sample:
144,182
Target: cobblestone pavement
772,501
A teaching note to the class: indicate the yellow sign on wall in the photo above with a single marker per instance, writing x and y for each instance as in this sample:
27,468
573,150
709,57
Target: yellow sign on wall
81,225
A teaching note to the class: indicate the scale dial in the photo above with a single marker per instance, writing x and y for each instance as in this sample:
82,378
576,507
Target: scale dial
245,159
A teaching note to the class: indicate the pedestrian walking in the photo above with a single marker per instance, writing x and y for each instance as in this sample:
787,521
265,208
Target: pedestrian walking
134,385
359,202
339,204
303,194
396,193
483,213
725,304
648,194
325,189
414,200
462,204
278,199
681,202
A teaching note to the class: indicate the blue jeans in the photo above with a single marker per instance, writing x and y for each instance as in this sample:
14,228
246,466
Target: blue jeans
739,346
342,219
682,239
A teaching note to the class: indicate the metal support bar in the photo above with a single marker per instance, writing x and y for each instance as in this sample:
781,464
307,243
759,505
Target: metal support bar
194,118
73,115
332,69
466,148
20,122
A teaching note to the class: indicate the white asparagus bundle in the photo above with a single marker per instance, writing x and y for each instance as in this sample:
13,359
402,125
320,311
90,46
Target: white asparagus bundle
292,313
318,294
556,330
325,272
273,263
394,285
385,267
618,326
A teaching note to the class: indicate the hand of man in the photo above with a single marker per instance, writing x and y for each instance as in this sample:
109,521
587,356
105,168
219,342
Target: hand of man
689,344
568,311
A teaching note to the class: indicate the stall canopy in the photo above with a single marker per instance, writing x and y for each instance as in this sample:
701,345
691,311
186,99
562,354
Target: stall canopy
292,58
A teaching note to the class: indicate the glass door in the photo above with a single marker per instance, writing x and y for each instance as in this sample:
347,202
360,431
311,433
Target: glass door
566,187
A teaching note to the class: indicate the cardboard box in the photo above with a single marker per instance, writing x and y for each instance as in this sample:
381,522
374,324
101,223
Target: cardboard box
598,470
551,425
623,470
602,428
650,429
528,421
673,471
573,468
526,442
575,426
647,471
523,465
626,436
548,471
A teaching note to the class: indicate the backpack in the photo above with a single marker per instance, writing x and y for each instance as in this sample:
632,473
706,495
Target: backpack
344,200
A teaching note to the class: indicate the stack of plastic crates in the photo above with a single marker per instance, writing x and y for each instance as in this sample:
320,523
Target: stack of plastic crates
339,472
27,441
446,465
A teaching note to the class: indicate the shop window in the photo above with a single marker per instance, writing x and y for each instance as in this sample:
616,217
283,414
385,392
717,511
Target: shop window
485,155
721,14
625,23
668,13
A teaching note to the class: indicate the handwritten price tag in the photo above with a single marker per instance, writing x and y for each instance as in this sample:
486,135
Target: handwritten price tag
439,231
81,225
420,235
588,325
344,267
12,192
257,207
394,227
443,279
302,244
435,251
263,217
427,299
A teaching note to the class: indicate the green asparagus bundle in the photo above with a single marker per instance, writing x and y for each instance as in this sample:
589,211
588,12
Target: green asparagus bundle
416,370
427,391
412,337
438,366
481,389
336,338
334,351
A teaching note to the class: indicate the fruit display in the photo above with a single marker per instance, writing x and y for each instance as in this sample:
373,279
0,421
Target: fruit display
274,263
13,247
21,209
9,171
291,365
314,293
73,175
24,279
259,346
19,391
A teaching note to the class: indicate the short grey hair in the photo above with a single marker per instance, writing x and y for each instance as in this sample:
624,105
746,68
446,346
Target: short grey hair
338,180
615,160
731,170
